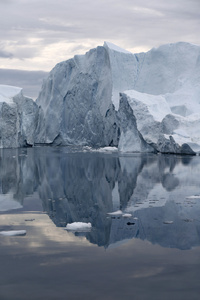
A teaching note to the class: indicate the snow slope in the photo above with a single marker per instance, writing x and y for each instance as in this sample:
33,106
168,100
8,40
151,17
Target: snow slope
8,92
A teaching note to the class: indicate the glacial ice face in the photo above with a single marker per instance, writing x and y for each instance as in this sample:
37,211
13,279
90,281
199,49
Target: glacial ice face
169,68
124,67
143,102
158,109
18,118
79,100
166,100
164,131
75,102
130,138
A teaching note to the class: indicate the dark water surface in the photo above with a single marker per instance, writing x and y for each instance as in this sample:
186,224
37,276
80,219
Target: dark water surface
154,254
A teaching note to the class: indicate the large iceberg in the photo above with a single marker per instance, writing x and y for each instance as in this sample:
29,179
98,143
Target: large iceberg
109,97
18,118
147,102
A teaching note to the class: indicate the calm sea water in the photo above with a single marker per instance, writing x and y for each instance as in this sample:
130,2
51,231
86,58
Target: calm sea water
153,254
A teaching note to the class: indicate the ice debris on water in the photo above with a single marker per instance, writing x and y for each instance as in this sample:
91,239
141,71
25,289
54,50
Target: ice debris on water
127,215
193,197
79,226
13,233
115,213
168,222
102,149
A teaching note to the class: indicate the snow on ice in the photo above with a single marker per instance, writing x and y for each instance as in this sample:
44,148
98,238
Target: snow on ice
110,98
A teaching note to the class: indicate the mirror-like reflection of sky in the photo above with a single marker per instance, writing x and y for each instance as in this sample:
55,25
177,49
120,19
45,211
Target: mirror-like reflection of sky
154,254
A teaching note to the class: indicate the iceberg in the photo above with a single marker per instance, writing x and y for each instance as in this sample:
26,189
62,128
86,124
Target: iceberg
165,131
110,99
18,118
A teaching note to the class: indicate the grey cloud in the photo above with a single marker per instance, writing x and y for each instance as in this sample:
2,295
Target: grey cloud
30,81
5,54
26,52
128,23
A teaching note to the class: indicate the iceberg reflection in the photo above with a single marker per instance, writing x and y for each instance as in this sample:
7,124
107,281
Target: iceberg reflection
152,191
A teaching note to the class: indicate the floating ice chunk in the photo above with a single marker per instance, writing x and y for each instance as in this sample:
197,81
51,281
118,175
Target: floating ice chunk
127,215
13,233
107,149
115,213
193,197
103,149
168,222
78,226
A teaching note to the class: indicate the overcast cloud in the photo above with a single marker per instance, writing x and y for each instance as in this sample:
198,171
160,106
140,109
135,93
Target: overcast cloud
36,34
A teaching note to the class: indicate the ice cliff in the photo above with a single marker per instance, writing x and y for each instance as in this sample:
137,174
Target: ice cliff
146,102
138,102
18,118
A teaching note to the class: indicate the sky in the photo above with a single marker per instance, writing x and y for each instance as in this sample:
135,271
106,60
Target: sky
37,34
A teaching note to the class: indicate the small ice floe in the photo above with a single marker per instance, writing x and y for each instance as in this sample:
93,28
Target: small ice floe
115,213
79,227
168,222
13,233
103,149
193,197
108,149
127,215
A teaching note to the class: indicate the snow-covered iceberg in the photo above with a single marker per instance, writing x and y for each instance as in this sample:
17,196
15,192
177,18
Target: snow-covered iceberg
142,102
110,98
164,130
18,118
